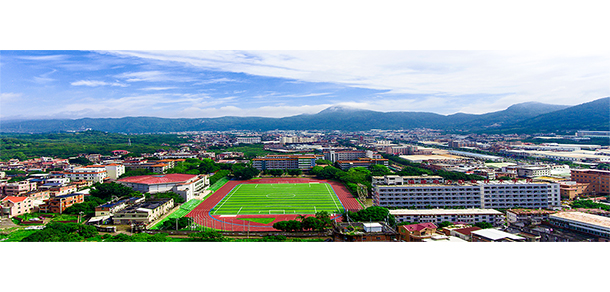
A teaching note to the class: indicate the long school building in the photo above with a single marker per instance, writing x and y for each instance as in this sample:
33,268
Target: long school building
433,192
436,216
302,162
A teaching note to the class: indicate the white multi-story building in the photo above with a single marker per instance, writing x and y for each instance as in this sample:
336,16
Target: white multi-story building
335,156
431,192
533,171
114,170
19,187
248,140
436,216
509,194
96,174
427,196
297,139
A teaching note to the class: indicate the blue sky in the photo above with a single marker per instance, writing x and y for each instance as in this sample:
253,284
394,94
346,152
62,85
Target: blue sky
214,83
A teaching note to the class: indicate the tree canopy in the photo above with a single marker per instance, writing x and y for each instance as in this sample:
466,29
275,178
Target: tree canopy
244,172
107,190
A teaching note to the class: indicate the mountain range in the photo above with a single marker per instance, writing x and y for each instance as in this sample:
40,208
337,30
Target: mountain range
529,117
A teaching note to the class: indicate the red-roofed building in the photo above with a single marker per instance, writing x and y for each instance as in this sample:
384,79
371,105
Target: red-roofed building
186,185
15,206
120,152
416,232
463,233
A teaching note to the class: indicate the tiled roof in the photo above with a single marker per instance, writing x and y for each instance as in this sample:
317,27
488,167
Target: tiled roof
420,226
14,199
466,231
158,179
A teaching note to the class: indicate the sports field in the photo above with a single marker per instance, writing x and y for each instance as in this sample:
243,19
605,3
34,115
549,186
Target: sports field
278,198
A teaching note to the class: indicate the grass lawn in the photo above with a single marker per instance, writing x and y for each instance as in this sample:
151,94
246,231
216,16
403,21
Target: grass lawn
16,235
65,217
259,220
293,198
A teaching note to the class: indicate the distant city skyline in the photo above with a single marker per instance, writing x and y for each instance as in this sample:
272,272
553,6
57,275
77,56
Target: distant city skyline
205,84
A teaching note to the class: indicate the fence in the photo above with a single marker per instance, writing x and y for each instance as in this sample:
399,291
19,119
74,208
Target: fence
245,233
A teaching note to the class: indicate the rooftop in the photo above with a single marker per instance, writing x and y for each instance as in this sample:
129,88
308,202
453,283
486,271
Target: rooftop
14,199
495,234
159,179
583,218
420,226
530,211
445,212
467,230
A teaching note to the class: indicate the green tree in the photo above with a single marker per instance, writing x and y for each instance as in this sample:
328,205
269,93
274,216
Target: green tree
444,224
374,213
483,225
170,224
245,173
81,161
208,166
378,170
107,190
274,172
211,236
218,175
295,172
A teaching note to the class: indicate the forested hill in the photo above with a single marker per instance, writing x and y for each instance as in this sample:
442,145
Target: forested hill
522,118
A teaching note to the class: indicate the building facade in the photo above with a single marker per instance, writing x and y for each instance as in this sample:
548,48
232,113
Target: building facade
95,174
143,213
582,222
509,194
59,204
302,162
19,188
598,180
186,185
401,192
436,216
14,206
248,140
114,170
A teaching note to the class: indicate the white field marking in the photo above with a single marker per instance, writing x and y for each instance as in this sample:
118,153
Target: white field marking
315,210
255,186
331,196
239,210
234,191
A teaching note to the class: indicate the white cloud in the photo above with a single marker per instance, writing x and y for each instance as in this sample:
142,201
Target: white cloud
216,80
551,77
44,58
265,111
152,76
157,88
95,83
7,97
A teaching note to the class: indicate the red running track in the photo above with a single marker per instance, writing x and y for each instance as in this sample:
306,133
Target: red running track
201,214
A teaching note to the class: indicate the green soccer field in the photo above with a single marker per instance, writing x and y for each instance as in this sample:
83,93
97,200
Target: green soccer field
265,199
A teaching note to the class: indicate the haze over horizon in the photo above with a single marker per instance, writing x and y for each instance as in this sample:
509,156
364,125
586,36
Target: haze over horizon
206,84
